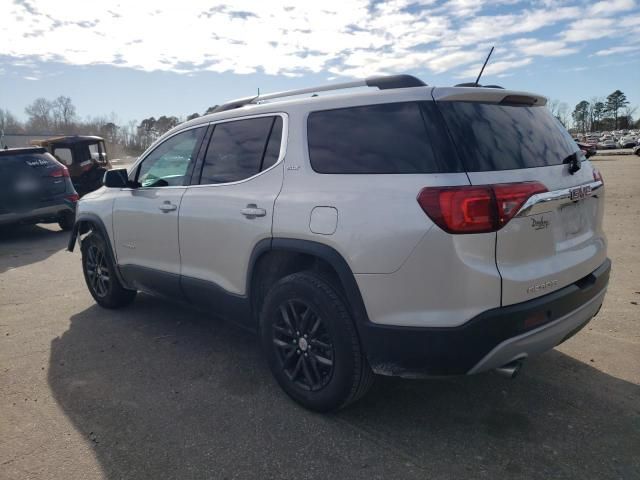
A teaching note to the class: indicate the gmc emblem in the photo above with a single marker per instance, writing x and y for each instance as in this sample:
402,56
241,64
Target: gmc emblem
580,192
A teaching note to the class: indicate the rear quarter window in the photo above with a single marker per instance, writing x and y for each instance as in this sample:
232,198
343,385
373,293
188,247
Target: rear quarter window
389,138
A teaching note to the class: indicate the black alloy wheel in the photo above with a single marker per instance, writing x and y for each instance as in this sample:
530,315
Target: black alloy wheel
100,274
304,345
97,271
310,340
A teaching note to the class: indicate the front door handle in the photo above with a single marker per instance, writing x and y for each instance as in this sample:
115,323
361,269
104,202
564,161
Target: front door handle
167,206
252,211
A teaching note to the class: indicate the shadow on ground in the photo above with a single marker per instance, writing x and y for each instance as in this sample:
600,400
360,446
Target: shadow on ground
165,393
22,245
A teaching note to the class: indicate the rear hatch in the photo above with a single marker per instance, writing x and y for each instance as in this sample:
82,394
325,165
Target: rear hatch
28,179
556,236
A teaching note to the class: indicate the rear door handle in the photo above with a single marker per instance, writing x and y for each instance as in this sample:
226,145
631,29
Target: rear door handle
252,211
167,206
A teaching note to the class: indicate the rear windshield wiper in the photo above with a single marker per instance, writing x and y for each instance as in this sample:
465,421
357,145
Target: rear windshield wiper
574,163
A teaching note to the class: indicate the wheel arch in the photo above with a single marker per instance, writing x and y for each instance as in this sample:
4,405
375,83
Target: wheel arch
275,258
87,222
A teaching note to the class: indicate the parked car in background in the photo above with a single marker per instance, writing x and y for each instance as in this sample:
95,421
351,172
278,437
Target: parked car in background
628,142
609,144
636,150
403,230
84,156
35,188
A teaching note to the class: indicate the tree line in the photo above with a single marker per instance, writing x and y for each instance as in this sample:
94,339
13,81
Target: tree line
612,113
600,114
59,117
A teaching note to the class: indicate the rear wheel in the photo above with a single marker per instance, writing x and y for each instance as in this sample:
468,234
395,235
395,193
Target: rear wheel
311,344
100,276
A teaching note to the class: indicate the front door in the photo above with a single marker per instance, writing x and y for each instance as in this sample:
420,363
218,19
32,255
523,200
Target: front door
145,217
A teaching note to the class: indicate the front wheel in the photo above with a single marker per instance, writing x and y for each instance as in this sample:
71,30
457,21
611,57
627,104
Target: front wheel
311,344
100,275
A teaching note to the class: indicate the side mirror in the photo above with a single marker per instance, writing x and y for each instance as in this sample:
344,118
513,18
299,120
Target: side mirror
117,178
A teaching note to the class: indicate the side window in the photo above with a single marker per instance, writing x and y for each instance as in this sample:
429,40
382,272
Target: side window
63,155
241,149
272,152
169,163
377,139
94,152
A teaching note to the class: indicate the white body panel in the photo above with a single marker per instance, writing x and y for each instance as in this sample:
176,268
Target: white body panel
216,239
145,235
554,247
445,281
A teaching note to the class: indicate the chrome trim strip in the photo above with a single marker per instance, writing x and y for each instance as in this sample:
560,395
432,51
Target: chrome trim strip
530,207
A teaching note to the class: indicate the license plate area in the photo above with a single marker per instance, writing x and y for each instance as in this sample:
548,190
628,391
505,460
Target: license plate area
573,219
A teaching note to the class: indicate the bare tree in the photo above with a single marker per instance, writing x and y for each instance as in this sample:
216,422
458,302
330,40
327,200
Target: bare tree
39,113
64,112
9,123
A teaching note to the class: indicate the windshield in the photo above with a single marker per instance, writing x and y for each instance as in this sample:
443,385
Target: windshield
503,137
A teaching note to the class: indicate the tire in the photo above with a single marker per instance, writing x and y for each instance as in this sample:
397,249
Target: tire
66,221
100,276
325,370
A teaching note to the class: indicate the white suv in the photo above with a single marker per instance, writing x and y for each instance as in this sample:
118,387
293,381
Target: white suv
396,229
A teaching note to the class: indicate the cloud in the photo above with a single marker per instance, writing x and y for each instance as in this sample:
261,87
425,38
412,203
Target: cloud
610,7
334,37
615,50
552,48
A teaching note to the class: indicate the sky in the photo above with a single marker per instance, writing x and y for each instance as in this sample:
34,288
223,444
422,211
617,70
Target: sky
129,60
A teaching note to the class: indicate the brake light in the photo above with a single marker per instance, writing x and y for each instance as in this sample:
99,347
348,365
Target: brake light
73,198
62,171
476,209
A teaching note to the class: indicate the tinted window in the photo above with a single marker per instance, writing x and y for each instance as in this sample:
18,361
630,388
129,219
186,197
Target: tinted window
169,164
387,138
503,137
236,150
272,151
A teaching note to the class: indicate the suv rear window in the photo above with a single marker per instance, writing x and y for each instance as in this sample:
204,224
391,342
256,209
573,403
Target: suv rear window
505,137
387,138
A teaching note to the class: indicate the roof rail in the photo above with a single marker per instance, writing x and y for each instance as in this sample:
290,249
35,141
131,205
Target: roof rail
381,82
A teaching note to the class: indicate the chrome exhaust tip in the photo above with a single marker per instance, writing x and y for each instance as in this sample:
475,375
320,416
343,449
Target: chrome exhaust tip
510,370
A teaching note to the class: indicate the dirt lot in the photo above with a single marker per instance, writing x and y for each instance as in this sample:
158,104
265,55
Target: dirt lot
154,391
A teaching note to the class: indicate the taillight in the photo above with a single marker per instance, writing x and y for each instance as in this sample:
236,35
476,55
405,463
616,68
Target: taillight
59,172
73,198
476,209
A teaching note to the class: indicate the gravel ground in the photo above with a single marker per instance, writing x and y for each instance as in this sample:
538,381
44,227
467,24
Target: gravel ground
154,391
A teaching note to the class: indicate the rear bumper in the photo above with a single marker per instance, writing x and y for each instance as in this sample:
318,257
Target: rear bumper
44,214
491,339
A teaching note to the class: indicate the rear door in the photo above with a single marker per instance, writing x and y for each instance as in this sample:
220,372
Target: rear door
557,238
230,209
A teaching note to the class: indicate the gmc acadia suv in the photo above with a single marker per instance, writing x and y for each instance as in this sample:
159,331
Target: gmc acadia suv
398,229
